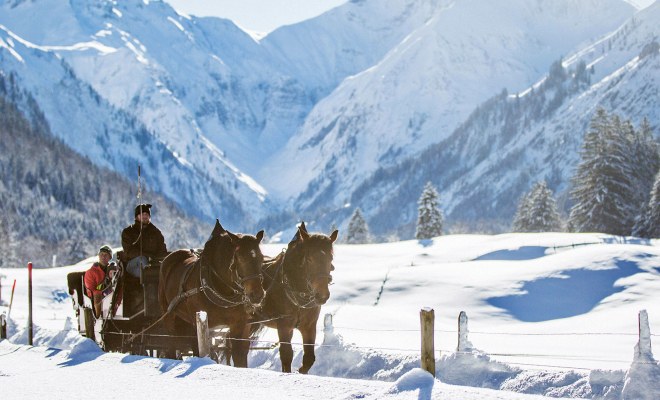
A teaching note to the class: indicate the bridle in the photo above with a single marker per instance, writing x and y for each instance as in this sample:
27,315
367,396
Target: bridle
303,298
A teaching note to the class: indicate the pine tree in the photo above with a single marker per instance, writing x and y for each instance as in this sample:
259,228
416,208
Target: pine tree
520,221
358,231
537,211
648,223
429,222
645,161
602,187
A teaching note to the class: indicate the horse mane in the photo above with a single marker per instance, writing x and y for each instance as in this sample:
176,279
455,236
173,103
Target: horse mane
218,247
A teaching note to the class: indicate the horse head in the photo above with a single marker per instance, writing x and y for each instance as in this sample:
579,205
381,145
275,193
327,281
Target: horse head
240,256
310,272
248,260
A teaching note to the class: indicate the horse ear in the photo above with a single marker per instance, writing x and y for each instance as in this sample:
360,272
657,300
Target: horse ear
302,233
333,235
234,238
218,229
260,235
302,226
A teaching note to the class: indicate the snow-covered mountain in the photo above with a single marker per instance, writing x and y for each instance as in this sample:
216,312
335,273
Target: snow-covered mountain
512,141
429,83
136,58
300,121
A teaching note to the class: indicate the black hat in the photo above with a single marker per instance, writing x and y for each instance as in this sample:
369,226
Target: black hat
140,208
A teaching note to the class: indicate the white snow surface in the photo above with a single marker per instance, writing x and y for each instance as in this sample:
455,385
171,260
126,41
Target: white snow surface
550,314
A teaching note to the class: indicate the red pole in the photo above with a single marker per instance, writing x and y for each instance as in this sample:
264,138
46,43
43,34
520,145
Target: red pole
30,303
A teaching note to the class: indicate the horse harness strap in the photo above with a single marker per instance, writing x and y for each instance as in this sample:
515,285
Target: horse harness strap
181,294
212,295
297,298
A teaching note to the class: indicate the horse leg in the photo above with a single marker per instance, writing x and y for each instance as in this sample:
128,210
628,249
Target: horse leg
240,345
285,334
309,339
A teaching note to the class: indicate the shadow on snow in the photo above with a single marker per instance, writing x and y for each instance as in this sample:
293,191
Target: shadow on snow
575,292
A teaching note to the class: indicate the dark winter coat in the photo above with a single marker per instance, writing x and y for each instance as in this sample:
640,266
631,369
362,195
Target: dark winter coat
150,242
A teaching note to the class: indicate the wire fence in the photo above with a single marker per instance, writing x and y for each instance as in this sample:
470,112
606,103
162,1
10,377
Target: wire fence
512,358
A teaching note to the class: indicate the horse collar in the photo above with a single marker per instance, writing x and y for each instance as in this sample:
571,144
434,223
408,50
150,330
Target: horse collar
212,294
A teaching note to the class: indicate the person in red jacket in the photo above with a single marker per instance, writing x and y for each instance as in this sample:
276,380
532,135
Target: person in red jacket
99,277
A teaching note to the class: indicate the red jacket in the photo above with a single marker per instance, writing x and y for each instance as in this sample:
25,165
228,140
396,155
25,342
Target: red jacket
95,281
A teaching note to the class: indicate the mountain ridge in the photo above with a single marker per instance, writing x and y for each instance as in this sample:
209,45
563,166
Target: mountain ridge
294,125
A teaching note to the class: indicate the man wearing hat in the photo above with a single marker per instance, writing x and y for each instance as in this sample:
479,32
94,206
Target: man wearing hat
141,241
98,278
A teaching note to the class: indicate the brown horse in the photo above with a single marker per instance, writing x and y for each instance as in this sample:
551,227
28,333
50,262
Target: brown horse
297,283
224,280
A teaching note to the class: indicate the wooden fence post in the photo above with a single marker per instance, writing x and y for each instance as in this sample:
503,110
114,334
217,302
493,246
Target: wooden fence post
427,321
3,327
203,337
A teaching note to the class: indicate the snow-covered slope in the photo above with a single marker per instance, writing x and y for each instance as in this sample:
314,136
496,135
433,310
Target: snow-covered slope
429,83
551,314
115,139
321,52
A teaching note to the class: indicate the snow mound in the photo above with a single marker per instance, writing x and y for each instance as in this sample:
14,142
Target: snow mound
85,348
474,368
414,379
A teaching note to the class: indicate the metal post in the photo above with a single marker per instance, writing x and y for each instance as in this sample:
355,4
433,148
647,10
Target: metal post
427,320
30,304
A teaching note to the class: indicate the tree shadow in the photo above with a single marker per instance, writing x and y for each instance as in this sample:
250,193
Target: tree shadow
521,253
425,242
576,292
